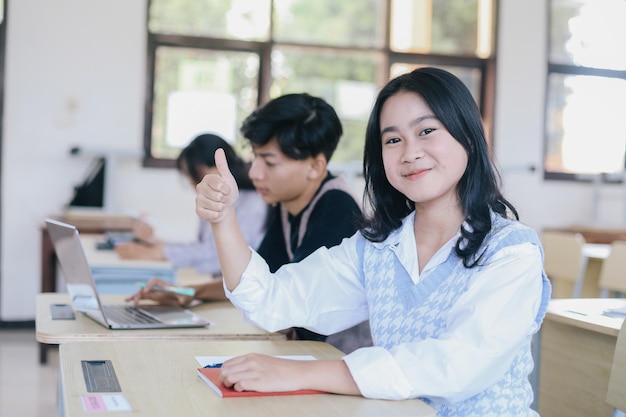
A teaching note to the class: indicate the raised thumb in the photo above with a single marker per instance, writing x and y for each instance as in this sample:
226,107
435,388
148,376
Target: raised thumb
222,165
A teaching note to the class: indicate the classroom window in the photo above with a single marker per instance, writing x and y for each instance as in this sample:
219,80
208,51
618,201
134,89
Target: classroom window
585,129
212,62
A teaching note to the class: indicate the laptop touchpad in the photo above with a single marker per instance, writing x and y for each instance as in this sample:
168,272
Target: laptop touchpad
171,315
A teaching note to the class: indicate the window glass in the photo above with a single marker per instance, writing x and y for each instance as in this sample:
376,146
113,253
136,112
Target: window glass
448,27
346,80
588,33
228,19
330,22
587,128
471,77
198,90
214,61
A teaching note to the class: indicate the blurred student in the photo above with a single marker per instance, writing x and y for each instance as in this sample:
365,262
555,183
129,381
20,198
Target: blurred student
195,161
451,281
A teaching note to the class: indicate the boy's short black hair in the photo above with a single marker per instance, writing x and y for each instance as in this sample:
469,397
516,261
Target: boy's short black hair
303,126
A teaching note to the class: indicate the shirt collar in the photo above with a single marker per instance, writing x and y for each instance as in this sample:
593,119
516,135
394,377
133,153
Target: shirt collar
400,234
402,242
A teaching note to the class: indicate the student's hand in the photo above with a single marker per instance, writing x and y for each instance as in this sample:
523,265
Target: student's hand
143,231
217,193
161,297
263,373
133,250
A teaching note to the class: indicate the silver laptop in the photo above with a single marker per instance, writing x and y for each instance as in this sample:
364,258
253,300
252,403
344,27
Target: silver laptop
84,294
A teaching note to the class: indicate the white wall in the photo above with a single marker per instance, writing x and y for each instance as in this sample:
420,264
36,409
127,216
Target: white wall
75,74
518,130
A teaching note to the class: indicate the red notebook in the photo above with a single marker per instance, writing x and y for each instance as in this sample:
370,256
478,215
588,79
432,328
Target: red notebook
211,377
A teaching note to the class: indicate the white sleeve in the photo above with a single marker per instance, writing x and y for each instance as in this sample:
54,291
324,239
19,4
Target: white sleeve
323,292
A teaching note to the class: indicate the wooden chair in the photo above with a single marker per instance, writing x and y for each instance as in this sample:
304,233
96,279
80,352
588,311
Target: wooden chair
613,272
616,394
564,262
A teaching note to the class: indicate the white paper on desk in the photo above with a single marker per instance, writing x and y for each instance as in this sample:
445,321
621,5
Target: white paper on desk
212,360
615,312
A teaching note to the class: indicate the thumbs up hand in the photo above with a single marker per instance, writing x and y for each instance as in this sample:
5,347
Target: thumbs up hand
217,193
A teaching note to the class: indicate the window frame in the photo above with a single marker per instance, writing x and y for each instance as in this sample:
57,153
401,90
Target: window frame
486,66
570,69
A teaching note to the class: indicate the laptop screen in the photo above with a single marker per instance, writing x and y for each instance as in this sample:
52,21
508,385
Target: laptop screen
73,262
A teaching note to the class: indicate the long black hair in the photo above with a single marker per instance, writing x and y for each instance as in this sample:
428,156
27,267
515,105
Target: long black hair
201,152
479,187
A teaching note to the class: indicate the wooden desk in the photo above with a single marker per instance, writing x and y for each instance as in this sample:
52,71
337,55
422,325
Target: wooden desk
90,224
228,325
110,258
114,275
89,238
597,250
161,380
576,353
596,234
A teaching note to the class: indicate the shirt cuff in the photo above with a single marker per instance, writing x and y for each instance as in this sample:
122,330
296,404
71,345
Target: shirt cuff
247,294
377,374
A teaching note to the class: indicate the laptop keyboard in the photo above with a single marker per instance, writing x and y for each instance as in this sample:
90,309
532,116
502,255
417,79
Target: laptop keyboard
127,315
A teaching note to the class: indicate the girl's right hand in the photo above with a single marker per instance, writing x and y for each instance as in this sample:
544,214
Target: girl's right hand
217,193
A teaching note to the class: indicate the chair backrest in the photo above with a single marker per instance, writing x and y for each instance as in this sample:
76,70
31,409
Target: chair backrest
613,272
563,260
616,394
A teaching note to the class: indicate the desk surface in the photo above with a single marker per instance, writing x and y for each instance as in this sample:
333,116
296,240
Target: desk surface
228,324
594,234
90,221
110,258
596,250
161,379
586,313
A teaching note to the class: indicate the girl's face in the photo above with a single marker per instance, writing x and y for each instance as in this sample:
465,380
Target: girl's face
421,158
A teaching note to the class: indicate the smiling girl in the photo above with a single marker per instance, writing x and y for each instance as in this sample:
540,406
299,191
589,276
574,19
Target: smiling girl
451,281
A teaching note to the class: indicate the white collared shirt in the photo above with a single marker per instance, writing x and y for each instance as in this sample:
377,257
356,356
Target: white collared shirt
483,332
